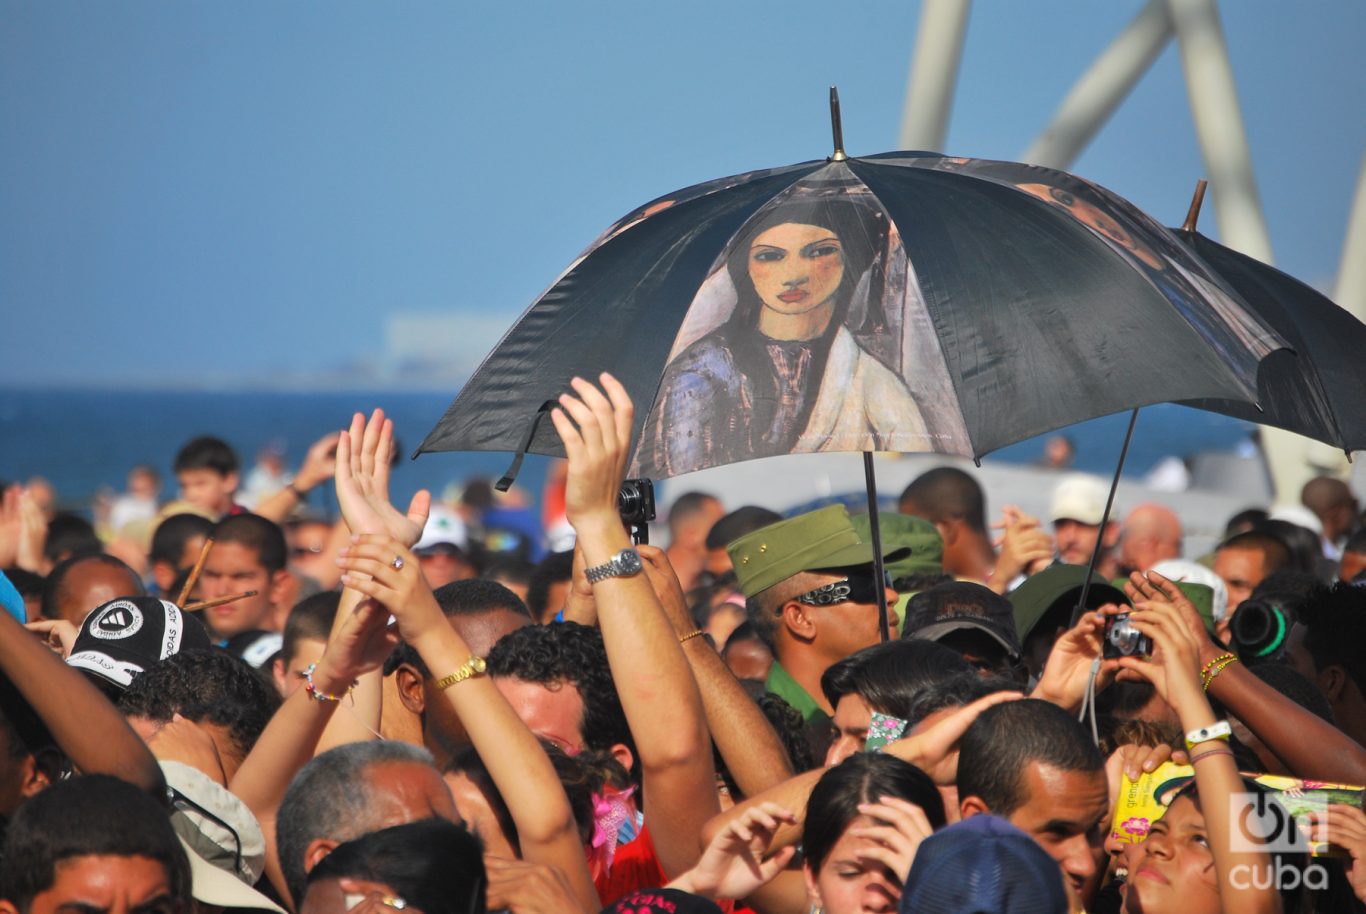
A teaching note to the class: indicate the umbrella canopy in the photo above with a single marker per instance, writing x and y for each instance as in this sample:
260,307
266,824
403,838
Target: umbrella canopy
1315,391
900,302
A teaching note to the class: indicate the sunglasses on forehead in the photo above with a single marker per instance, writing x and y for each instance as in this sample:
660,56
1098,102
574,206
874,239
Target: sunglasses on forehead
857,587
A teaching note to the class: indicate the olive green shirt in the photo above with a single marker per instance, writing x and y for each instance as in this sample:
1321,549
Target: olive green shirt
781,683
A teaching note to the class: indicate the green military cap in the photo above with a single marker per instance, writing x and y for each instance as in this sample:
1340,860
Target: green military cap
1040,592
915,533
819,539
1200,595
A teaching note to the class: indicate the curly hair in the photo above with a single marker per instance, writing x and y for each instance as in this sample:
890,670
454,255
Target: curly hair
566,652
204,686
1335,624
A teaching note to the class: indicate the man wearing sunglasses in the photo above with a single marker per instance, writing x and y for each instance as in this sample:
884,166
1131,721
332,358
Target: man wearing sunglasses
811,593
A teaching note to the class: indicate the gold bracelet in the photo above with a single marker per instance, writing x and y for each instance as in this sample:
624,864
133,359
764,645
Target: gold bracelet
1228,660
475,666
691,635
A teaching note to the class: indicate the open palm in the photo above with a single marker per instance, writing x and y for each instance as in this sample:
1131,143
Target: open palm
363,456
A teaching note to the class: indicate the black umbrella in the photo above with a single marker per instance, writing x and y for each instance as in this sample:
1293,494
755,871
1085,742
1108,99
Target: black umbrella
901,302
1315,390
983,302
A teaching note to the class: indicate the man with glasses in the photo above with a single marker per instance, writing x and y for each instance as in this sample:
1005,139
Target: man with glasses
812,595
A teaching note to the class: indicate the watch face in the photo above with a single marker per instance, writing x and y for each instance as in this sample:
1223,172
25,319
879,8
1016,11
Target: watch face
628,560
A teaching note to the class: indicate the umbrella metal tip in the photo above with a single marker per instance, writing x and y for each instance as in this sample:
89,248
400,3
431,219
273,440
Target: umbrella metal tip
836,128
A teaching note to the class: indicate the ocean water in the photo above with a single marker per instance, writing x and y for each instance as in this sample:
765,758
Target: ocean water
87,440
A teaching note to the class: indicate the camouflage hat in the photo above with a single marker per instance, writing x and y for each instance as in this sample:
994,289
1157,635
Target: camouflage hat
1037,595
915,533
819,539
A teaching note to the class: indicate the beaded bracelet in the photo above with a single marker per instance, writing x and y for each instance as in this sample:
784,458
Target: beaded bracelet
691,635
1204,670
317,694
1208,678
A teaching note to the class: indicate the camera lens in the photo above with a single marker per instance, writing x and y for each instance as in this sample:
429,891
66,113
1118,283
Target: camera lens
1258,629
1124,636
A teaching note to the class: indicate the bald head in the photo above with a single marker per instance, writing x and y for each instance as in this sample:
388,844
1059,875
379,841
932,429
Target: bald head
1334,504
1150,534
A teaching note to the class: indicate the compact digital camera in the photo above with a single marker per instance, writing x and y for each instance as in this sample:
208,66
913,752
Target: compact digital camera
1122,639
636,504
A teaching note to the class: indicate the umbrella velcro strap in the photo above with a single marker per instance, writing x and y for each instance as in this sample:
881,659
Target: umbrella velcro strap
516,467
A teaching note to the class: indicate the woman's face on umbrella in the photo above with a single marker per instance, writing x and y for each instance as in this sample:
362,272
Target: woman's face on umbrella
796,267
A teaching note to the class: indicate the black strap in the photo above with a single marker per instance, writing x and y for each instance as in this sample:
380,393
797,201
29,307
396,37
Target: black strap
511,475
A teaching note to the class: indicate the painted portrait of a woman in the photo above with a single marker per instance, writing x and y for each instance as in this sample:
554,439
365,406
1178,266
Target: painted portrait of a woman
782,373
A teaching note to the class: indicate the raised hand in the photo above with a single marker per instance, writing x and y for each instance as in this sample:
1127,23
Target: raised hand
11,525
320,463
360,645
32,535
935,749
1154,588
184,741
734,863
364,453
1345,827
383,569
58,634
595,426
1133,760
1024,547
1068,669
894,841
1174,667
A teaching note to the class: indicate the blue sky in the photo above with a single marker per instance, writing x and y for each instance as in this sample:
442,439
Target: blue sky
213,194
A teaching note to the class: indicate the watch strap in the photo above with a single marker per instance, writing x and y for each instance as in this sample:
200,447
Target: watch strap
1220,730
475,666
615,567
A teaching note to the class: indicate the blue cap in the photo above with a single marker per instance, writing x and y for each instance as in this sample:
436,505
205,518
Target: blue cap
11,600
983,865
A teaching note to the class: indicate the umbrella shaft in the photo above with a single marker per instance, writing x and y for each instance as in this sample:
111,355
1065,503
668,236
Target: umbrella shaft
1104,520
879,572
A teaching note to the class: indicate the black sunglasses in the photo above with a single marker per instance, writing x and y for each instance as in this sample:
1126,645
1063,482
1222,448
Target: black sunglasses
860,587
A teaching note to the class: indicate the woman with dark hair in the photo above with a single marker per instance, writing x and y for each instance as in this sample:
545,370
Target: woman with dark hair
864,821
783,373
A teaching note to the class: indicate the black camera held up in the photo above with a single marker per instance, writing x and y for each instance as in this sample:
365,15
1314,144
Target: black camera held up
1123,639
636,504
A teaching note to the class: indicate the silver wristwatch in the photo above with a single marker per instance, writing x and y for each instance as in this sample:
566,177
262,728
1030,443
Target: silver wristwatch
622,565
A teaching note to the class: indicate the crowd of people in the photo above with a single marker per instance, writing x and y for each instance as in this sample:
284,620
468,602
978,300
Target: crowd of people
427,708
